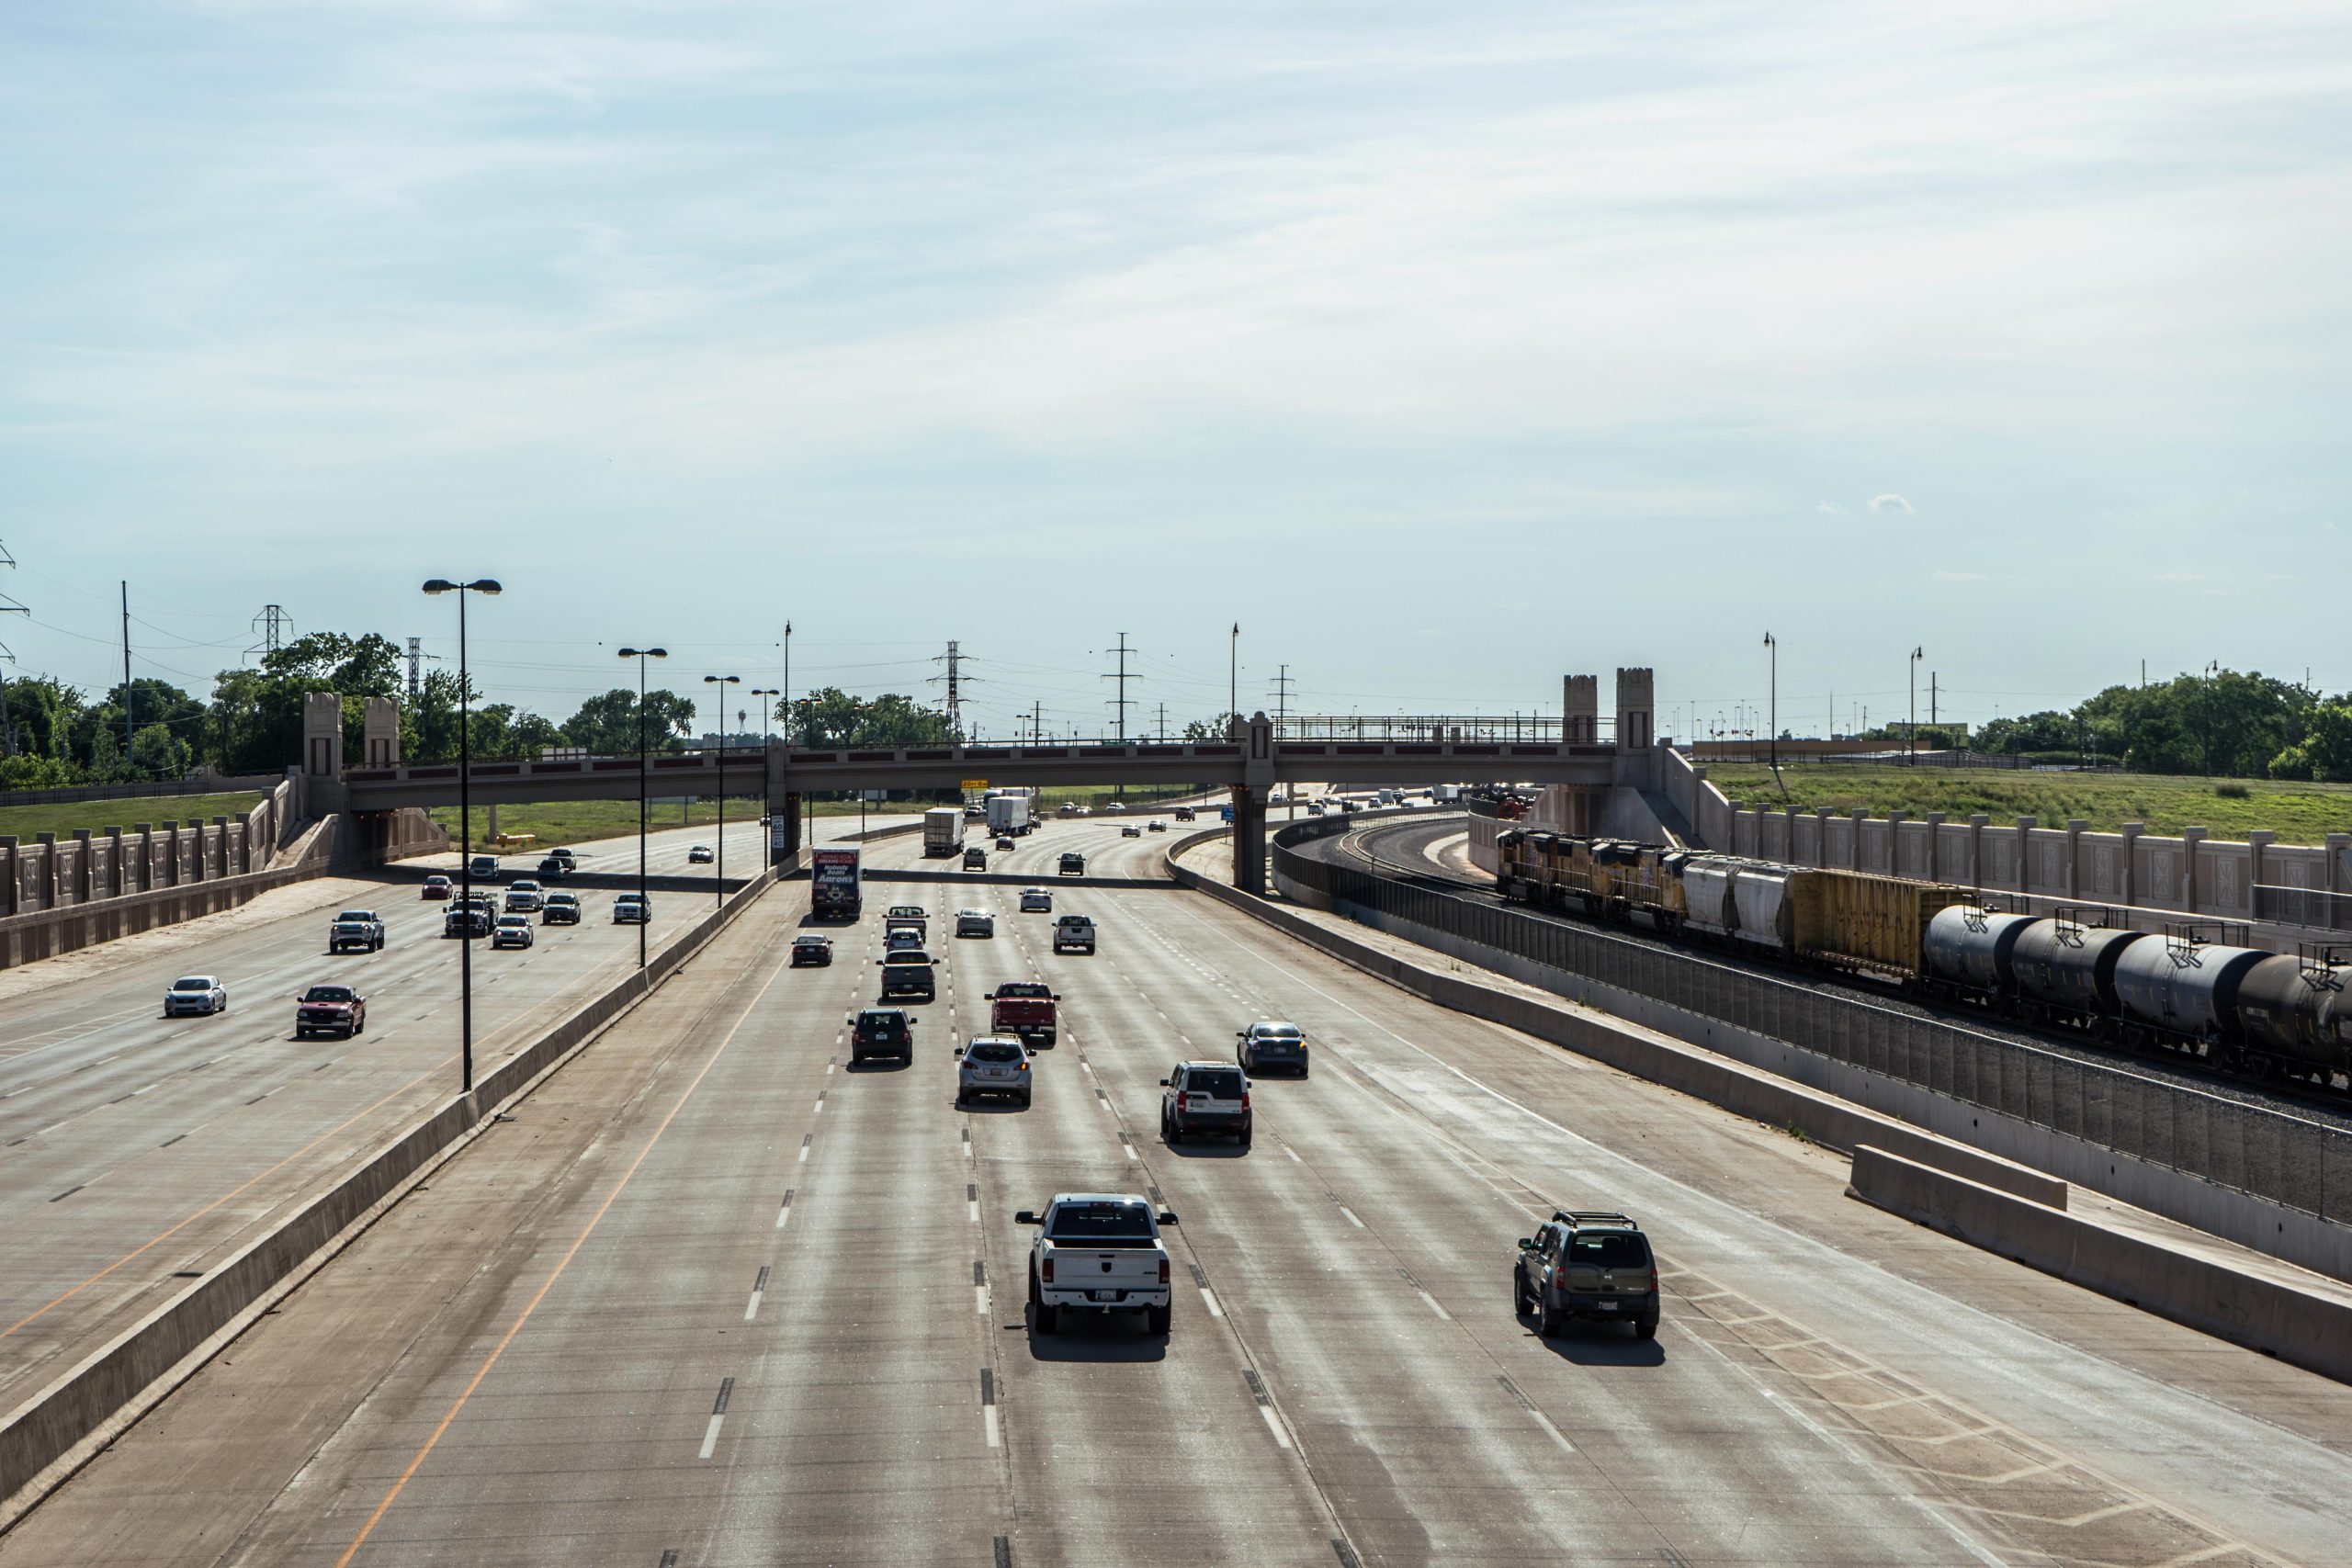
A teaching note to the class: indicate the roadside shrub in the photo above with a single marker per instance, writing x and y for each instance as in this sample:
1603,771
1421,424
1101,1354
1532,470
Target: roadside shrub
2232,792
2294,763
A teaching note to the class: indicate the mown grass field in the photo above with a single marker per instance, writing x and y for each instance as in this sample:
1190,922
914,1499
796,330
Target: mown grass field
2297,813
24,821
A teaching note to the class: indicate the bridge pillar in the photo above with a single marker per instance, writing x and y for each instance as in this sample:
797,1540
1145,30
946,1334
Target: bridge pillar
322,735
1250,805
381,731
1580,710
783,837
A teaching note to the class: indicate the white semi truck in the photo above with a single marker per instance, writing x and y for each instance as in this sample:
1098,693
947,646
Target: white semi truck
942,831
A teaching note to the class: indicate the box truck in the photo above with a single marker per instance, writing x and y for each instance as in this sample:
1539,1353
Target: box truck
833,884
1011,813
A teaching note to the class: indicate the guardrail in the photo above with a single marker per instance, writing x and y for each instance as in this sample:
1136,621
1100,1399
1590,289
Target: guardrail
2272,1154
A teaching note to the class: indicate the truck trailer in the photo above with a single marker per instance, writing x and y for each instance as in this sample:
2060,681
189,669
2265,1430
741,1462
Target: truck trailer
942,831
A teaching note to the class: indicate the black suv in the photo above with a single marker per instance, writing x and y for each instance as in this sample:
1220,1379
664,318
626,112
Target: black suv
1204,1097
1587,1264
882,1032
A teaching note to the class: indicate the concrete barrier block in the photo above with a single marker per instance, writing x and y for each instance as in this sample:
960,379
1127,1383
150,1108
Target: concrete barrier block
2302,1326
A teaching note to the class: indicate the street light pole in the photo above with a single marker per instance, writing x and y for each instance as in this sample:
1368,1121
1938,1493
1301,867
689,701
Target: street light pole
1773,643
788,683
1911,735
1233,680
719,864
767,796
644,909
485,585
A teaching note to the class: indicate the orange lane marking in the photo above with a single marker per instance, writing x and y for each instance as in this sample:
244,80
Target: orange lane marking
258,1176
561,1264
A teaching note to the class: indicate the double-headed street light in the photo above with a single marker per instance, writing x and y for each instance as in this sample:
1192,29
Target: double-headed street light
464,827
1774,643
644,909
719,866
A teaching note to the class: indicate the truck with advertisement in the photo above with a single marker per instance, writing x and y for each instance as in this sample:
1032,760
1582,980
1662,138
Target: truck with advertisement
942,831
1012,812
833,892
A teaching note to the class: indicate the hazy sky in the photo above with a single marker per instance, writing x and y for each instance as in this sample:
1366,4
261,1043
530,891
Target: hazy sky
1448,348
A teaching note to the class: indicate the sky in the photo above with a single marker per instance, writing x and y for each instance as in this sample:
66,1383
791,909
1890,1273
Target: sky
1446,349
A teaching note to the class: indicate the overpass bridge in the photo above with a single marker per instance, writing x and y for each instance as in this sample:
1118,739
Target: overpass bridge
1251,765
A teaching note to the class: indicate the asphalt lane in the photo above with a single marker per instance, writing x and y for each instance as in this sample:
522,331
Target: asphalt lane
135,1149
718,1296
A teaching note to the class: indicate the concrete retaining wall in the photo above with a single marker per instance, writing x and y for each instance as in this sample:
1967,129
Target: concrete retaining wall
52,1435
91,890
2308,1329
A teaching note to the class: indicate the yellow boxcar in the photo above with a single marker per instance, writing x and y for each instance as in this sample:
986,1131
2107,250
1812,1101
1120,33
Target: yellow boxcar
1858,921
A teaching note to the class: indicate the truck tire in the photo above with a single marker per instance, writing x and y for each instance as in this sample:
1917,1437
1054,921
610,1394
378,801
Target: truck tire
1518,1292
1645,1328
1548,1321
1156,1320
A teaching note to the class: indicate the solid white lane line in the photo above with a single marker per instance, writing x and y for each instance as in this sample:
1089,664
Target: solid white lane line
758,1290
1208,1300
1352,1216
988,1418
1128,1146
1293,1153
710,1436
980,1300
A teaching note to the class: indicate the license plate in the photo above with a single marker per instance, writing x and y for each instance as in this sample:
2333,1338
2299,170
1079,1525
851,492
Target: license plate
1608,1306
1106,1295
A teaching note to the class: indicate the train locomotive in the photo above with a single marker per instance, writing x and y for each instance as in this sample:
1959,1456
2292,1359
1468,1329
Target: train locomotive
2190,988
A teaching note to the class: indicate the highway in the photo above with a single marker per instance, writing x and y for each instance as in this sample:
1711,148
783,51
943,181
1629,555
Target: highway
715,1297
134,1146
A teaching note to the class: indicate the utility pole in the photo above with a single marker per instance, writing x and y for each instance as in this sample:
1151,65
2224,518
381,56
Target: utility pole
126,703
1911,735
1774,643
1163,721
1283,684
8,607
1036,723
1122,677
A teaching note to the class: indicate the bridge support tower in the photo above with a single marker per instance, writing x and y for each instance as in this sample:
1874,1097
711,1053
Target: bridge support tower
783,837
1250,805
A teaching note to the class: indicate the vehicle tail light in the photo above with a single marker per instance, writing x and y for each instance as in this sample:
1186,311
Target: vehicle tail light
1046,1271
1182,1100
1163,1270
1653,1279
1245,1099
1560,1278
1025,1065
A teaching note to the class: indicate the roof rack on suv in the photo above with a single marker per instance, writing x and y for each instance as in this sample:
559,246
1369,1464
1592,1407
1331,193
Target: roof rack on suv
1593,1217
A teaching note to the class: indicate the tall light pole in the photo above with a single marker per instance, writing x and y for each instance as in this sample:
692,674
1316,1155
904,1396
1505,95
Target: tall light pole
788,683
719,864
464,827
1911,738
767,800
644,909
1233,680
1773,643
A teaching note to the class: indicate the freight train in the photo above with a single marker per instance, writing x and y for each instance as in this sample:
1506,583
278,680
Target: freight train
2190,988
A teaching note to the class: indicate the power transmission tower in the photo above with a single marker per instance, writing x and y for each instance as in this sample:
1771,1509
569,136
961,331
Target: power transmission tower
1283,684
1122,678
9,606
953,659
273,623
415,669
1163,721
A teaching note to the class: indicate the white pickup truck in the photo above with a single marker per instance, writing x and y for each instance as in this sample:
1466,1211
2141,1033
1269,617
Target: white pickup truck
362,929
1098,1252
1074,933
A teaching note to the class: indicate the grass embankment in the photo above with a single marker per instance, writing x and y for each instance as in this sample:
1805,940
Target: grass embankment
2297,813
125,812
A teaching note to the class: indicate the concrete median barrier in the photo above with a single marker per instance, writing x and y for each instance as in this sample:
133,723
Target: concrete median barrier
61,1427
2306,1327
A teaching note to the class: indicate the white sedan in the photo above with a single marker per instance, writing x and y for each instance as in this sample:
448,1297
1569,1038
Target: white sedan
974,923
195,994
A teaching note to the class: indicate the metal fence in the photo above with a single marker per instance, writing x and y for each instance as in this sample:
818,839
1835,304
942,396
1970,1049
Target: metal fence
2275,1155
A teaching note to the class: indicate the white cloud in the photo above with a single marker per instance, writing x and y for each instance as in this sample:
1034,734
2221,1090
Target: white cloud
1890,502
1830,506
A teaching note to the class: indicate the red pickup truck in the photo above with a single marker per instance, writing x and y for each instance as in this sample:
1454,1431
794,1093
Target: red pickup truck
1024,1007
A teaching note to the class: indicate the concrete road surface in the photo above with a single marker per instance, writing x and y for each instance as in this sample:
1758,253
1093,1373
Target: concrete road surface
716,1298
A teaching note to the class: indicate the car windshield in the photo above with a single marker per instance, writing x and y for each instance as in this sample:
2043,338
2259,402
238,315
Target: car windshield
1610,1249
906,957
1106,1221
512,920
995,1053
327,994
811,941
881,1023
354,914
1224,1083
1022,988
563,898
193,983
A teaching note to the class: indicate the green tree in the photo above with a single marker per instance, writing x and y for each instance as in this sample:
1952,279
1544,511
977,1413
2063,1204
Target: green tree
257,714
2328,740
1210,729
832,718
42,709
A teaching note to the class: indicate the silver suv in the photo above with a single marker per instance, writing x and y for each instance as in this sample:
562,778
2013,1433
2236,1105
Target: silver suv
993,1063
1587,1264
1204,1097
